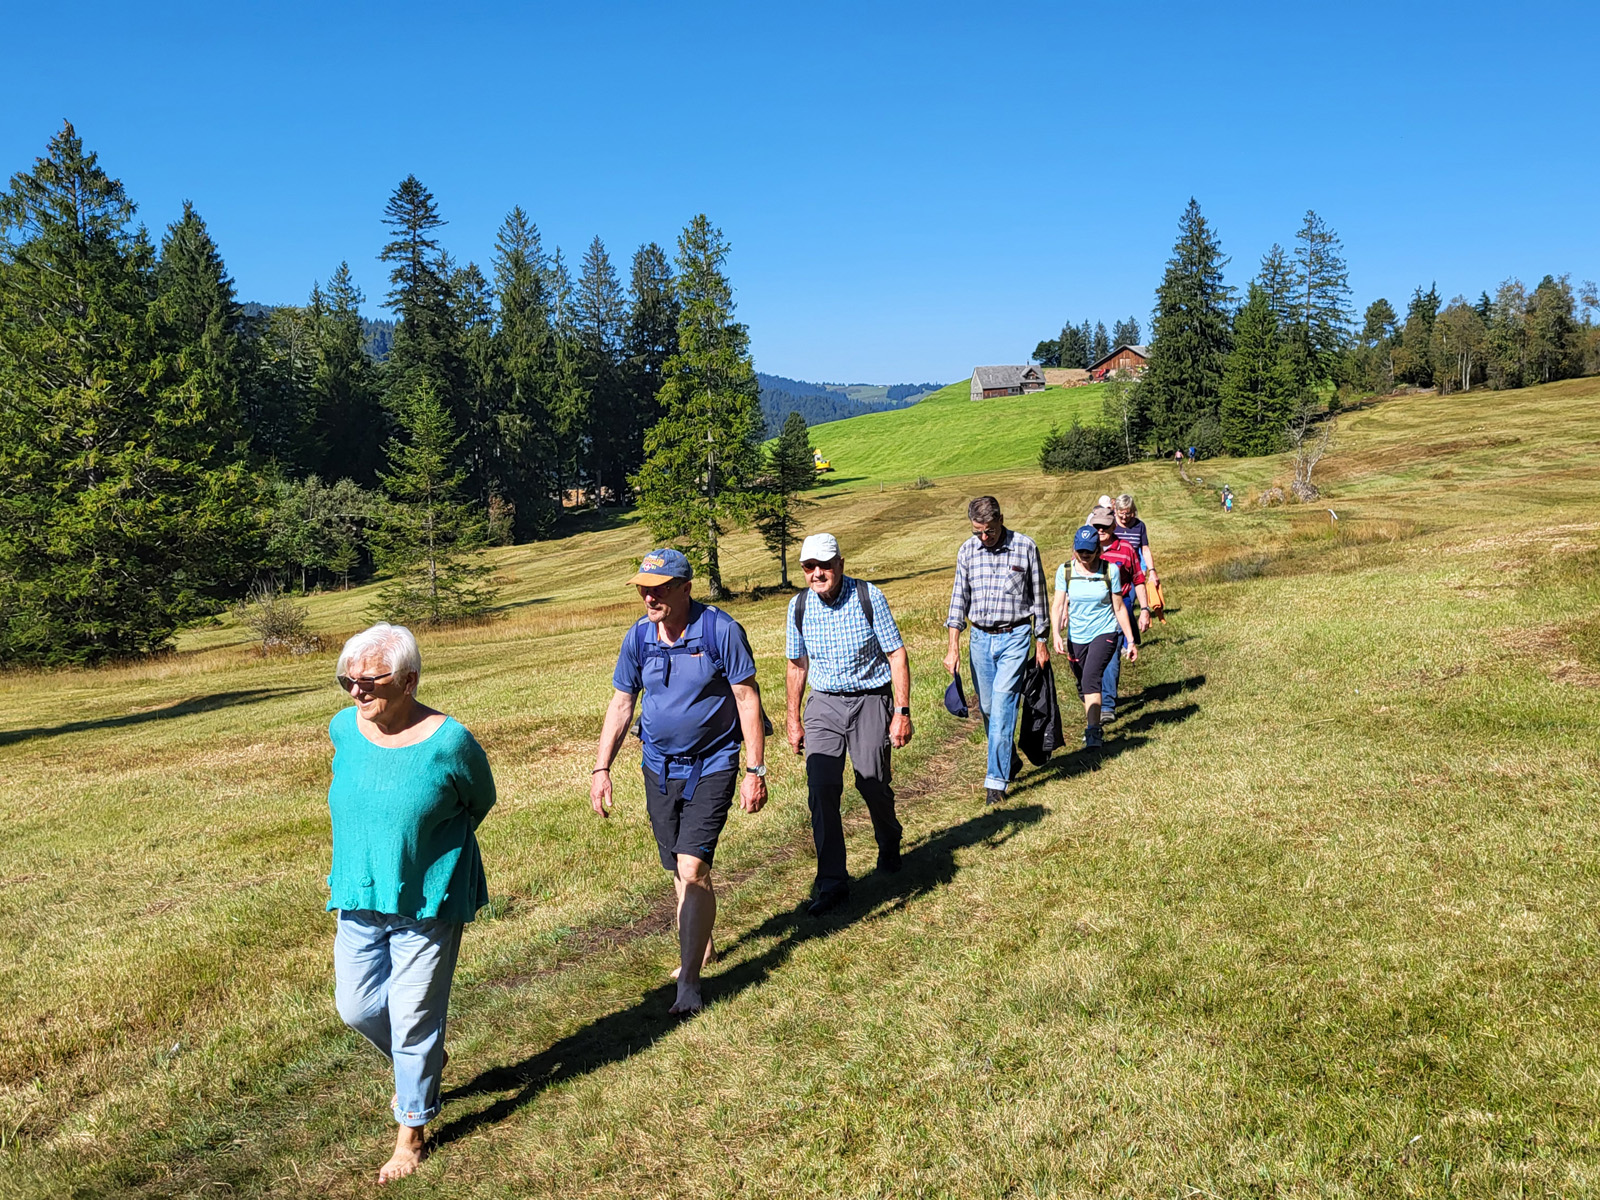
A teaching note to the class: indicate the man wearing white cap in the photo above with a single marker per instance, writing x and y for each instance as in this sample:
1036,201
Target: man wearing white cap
841,637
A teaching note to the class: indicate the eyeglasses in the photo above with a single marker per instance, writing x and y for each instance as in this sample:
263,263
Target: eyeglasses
365,682
813,568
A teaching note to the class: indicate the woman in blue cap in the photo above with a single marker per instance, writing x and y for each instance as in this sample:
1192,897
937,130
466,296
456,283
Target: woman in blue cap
1095,612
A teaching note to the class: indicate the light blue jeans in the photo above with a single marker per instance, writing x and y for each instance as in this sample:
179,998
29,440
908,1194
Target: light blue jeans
997,660
392,979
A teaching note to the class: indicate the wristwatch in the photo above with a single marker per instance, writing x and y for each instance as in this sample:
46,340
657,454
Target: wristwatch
759,772
902,710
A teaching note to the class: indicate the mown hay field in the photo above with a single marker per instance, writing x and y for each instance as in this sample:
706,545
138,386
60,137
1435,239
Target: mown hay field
1322,922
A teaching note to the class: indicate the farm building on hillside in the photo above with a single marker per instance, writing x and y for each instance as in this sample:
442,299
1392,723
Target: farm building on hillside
989,382
1131,359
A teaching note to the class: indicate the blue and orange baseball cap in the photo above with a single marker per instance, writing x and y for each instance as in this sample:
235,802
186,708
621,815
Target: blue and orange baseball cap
662,566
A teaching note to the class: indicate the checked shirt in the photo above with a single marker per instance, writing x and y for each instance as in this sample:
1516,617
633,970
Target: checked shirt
846,654
1000,586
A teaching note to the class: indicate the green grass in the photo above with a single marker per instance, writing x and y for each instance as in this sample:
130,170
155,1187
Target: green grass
1323,922
948,434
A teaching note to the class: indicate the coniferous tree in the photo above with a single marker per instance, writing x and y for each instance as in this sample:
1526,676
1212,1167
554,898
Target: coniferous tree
1413,357
1322,294
426,350
198,313
125,507
1101,345
526,472
1277,279
790,470
702,457
1506,347
651,338
599,317
280,408
472,320
427,534
349,423
1126,333
1374,353
1259,392
1074,347
1191,336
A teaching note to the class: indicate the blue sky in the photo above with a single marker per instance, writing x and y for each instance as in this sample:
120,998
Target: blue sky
909,189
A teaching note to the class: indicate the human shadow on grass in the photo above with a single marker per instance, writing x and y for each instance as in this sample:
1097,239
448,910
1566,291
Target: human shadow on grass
178,708
1160,691
622,1034
1126,736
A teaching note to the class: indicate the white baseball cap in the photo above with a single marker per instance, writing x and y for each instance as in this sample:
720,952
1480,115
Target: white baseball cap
819,547
1104,502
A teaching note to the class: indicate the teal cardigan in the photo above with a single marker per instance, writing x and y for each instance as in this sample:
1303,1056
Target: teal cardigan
403,822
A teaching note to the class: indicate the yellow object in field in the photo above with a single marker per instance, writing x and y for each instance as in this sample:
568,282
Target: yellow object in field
819,462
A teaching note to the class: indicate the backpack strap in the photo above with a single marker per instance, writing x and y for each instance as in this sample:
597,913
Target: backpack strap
862,597
800,611
866,604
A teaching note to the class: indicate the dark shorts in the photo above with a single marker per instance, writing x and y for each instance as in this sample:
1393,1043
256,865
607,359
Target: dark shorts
1090,659
691,828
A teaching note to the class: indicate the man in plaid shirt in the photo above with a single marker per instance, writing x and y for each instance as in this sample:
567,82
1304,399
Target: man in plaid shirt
841,636
999,589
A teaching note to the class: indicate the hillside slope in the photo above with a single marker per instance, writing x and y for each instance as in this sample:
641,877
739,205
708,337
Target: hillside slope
947,433
1320,921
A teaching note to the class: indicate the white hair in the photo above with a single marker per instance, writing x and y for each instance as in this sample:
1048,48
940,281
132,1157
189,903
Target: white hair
394,644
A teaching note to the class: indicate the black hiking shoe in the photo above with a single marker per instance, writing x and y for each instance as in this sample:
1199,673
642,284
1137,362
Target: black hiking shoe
993,796
888,859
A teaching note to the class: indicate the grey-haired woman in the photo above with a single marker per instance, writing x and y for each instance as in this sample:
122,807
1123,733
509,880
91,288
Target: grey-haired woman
410,787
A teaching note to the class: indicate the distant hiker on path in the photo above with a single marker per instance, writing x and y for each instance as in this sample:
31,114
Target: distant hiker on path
410,787
999,588
1131,574
1094,615
694,665
841,637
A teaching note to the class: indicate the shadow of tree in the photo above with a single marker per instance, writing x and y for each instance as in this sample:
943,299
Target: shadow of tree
621,1034
179,708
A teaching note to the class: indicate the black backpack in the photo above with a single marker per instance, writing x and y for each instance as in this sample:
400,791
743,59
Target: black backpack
861,595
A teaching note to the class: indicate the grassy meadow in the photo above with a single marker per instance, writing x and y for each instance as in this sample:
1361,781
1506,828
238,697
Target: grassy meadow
947,434
1321,922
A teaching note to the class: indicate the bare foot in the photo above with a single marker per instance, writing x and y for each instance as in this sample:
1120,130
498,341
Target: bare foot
688,1002
711,957
410,1148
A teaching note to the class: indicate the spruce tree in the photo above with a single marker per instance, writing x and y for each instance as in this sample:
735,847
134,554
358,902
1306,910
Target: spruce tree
1322,293
702,457
426,350
349,424
1413,359
1259,388
1552,331
1190,336
1101,346
651,337
524,353
790,470
1126,332
599,313
1277,279
125,507
1380,332
197,311
1074,348
427,534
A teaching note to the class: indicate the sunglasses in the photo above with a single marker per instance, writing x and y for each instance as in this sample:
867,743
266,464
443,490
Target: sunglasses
811,568
365,682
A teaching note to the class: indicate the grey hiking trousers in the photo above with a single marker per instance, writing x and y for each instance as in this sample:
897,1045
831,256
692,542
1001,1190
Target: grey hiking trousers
858,723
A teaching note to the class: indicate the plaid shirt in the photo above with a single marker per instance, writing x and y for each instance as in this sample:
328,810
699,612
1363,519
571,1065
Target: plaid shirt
846,654
1000,586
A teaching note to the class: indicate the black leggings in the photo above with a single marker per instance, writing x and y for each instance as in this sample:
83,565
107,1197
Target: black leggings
1089,660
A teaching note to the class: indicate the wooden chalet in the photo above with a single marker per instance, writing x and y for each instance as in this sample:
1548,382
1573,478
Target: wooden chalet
1131,359
989,382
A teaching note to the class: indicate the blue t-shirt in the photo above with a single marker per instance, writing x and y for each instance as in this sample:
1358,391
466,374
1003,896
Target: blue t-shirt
1089,611
688,711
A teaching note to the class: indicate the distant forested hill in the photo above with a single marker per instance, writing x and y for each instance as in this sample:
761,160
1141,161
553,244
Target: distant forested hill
820,403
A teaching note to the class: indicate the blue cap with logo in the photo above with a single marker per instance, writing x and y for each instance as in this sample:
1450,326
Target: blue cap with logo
955,701
1086,538
662,566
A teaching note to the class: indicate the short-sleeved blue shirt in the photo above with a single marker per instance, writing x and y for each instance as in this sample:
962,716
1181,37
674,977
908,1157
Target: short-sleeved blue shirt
688,711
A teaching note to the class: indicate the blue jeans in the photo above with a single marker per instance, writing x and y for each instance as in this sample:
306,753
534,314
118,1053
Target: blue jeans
392,985
996,660
1108,681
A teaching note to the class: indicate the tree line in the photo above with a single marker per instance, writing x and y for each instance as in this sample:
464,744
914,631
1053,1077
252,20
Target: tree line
1082,346
163,445
1238,375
